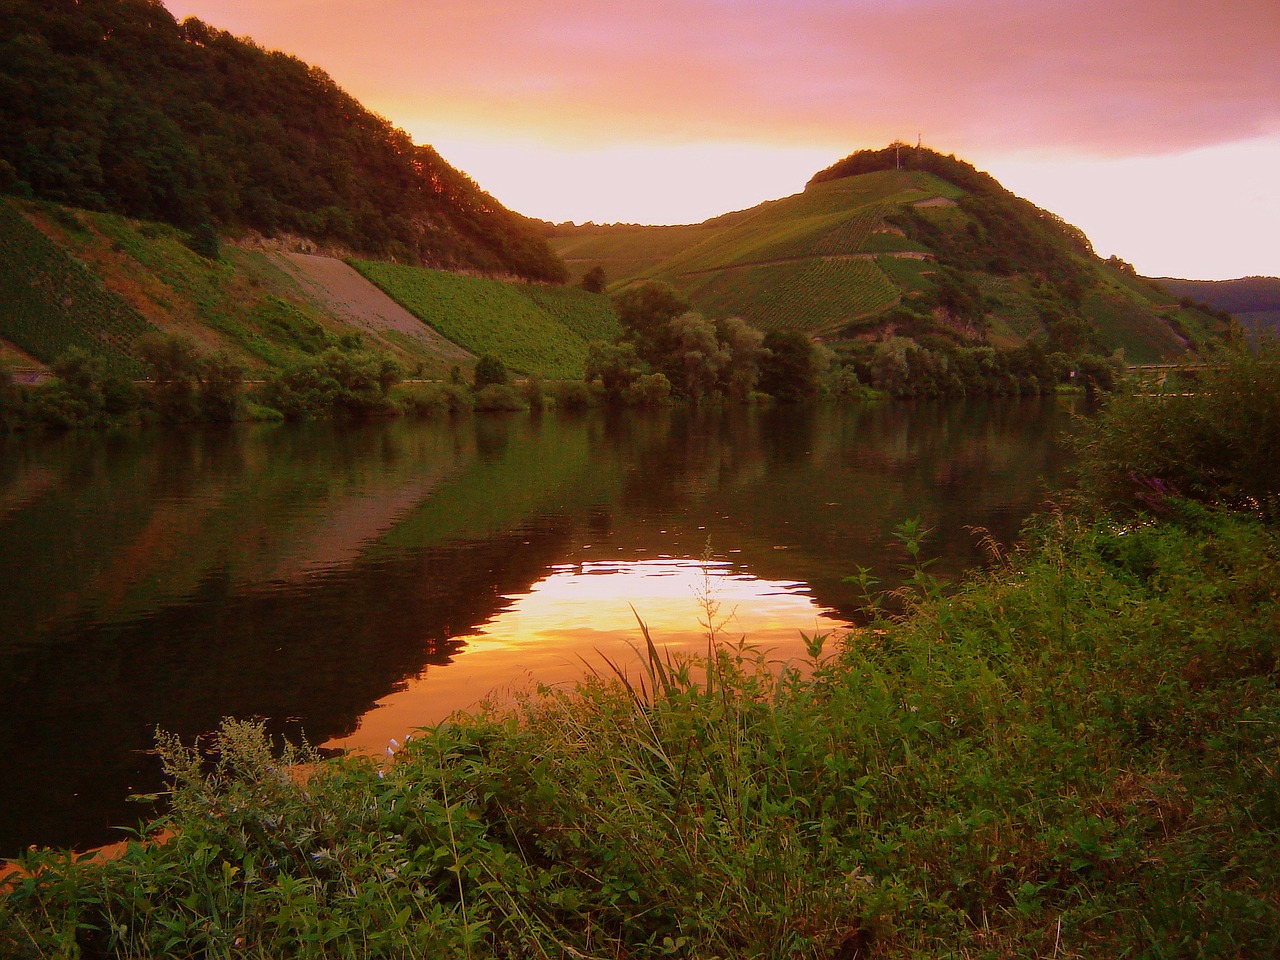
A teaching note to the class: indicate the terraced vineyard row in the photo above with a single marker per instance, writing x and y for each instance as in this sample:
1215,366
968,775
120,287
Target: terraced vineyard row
589,315
485,316
819,296
52,302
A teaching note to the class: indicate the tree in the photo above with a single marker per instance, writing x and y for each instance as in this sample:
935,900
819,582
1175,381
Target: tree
791,369
175,367
695,357
745,346
645,311
489,371
615,366
595,280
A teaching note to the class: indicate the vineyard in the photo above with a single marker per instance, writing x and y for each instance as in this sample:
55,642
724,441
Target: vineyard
819,296
1122,323
488,317
589,315
52,302
241,304
625,252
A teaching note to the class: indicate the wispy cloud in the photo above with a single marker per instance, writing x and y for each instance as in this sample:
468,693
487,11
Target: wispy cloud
1115,79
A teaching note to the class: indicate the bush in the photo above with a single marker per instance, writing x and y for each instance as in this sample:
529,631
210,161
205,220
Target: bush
531,390
650,390
573,394
80,393
490,371
335,383
1218,445
12,399
498,397
430,399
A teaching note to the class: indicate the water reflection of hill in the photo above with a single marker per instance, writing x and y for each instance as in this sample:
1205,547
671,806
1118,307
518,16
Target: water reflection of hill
303,573
77,715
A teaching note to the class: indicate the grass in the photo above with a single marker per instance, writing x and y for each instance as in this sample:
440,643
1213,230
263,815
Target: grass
495,317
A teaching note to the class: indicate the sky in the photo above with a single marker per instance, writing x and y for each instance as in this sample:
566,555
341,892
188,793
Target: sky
1154,125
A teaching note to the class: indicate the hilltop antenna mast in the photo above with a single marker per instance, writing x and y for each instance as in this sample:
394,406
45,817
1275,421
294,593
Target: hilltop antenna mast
897,153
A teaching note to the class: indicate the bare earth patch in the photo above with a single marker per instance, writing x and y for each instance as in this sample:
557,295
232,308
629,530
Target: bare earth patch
339,289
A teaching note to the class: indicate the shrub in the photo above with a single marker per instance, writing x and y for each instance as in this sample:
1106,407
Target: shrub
1219,444
335,383
10,396
499,396
80,394
220,381
650,390
489,371
595,280
573,394
429,399
531,390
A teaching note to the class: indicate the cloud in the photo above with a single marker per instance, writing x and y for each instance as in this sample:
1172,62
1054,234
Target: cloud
1113,79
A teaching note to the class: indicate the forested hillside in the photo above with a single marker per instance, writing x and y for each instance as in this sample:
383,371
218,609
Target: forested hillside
112,105
903,245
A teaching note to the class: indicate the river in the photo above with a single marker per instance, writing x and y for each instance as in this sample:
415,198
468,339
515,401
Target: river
351,582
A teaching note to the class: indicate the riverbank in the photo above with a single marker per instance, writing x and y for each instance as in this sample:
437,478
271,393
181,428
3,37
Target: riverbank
1075,753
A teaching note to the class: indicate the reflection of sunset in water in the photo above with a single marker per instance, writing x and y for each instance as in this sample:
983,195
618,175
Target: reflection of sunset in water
578,615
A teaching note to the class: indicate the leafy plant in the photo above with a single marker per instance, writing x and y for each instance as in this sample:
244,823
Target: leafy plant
1218,443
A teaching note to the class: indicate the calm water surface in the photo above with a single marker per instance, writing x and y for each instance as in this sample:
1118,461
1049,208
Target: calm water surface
350,583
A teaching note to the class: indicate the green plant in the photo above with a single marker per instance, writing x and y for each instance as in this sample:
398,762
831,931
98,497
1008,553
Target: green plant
490,371
1217,444
500,397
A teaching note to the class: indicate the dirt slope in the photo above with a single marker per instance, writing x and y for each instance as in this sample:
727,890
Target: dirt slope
338,288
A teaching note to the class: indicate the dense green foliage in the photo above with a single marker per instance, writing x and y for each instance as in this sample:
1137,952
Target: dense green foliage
667,348
100,282
530,329
1218,443
53,302
933,367
489,372
792,367
112,105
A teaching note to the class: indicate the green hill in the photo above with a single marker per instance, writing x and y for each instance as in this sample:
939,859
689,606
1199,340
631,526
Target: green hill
111,105
100,281
1253,301
902,241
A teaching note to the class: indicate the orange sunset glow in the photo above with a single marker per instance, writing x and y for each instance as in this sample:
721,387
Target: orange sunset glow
581,618
1153,126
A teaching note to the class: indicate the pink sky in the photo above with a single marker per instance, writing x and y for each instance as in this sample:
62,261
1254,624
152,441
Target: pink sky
1155,126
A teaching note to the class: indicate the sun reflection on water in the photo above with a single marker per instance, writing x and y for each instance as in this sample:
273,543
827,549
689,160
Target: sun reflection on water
578,615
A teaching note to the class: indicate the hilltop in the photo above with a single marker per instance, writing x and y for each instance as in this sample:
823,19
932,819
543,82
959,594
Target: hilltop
902,243
113,106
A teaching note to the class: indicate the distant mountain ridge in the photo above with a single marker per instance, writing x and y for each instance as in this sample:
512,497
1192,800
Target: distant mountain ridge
1253,301
902,242
112,105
